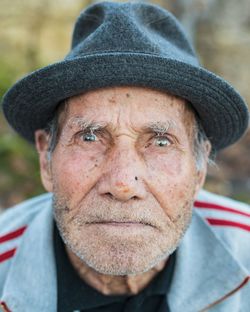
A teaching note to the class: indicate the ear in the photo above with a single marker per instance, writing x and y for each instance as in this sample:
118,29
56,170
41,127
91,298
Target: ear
202,172
42,144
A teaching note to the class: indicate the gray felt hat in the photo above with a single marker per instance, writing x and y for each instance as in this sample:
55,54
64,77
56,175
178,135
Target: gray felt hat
131,43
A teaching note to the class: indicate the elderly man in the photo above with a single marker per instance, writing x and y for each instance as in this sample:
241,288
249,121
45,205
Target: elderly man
125,126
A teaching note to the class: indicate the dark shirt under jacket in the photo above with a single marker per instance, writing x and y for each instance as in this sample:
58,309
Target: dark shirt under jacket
75,295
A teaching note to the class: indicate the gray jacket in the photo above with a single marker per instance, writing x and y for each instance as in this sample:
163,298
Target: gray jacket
212,269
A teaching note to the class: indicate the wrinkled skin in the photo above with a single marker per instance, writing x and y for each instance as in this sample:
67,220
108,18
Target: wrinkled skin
123,193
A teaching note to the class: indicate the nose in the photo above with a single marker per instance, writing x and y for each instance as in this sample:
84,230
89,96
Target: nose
123,177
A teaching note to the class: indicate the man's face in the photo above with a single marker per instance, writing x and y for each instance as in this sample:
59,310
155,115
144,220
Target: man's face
123,176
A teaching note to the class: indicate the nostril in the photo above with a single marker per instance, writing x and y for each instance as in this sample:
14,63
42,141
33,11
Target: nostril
109,195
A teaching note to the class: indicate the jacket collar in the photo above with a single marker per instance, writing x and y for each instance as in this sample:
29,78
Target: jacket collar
205,269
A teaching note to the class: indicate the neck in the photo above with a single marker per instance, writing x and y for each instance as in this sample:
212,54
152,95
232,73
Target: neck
114,284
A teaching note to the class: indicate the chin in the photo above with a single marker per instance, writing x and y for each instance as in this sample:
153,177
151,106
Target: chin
121,261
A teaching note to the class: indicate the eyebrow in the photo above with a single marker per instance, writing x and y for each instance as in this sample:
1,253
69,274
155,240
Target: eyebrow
159,127
84,124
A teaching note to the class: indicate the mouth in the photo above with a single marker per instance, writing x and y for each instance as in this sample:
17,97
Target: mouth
121,223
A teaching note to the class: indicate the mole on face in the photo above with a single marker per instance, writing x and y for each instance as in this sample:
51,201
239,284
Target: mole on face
127,95
112,100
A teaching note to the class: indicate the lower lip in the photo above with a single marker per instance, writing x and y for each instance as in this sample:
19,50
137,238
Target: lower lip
121,224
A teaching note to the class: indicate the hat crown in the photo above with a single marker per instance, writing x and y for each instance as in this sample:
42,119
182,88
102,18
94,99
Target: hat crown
130,27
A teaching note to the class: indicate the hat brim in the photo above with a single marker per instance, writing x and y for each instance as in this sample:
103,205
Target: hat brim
31,102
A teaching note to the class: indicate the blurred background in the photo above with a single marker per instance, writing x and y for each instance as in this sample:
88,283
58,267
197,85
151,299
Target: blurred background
34,33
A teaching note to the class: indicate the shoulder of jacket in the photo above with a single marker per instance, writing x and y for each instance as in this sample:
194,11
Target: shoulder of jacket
230,221
22,213
206,196
15,220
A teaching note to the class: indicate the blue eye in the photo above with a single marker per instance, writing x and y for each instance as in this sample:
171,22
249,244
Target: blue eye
89,137
162,141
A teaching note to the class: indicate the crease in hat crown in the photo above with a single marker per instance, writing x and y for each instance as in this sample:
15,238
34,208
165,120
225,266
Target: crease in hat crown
130,27
129,43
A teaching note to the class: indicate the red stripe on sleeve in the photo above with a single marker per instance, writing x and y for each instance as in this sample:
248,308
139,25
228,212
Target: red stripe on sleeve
204,205
228,223
12,235
7,255
3,305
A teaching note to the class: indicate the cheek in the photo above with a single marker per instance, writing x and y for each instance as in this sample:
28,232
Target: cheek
75,172
172,181
162,166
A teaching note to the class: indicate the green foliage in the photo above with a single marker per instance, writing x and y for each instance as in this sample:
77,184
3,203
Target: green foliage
19,168
244,197
7,75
